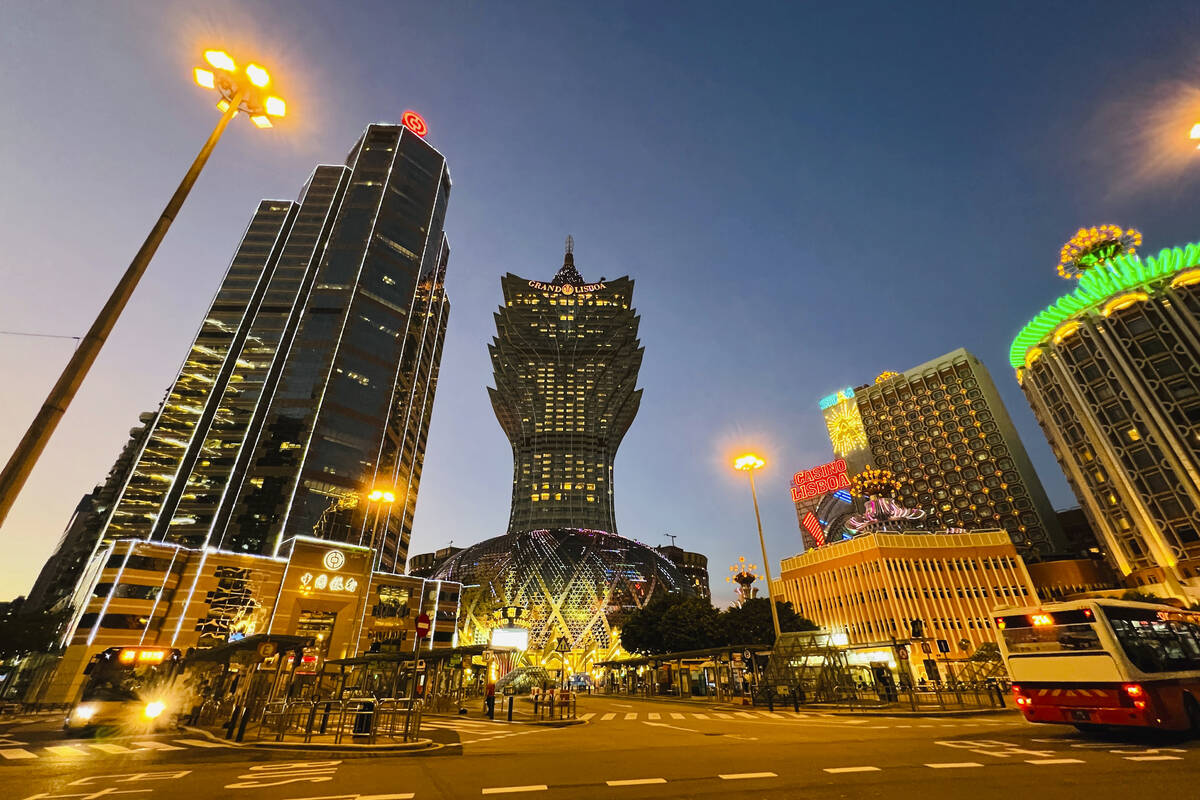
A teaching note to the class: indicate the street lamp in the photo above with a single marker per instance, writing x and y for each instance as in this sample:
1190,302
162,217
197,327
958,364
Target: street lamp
239,92
382,498
748,463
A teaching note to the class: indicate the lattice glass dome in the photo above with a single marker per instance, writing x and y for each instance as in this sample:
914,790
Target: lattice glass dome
571,582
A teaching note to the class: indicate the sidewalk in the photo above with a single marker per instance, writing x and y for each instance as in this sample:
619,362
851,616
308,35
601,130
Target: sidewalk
897,710
324,743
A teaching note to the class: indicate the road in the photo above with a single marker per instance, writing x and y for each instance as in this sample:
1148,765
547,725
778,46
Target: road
626,748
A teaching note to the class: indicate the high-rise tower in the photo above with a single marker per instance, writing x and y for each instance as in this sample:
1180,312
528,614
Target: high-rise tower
1111,371
565,359
942,428
311,379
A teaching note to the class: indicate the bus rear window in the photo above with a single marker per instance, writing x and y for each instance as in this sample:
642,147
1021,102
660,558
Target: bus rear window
1156,645
1052,638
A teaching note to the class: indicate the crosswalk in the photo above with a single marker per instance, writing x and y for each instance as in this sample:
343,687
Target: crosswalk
803,716
84,750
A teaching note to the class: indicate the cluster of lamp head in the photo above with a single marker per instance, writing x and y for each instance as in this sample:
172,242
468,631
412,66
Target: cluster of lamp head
247,94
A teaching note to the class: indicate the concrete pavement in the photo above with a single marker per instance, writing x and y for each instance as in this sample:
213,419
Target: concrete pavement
630,755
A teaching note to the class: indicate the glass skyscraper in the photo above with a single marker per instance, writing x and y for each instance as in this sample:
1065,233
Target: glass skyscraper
565,358
311,379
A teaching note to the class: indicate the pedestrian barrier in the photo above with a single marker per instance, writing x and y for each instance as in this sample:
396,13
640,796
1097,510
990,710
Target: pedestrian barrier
362,719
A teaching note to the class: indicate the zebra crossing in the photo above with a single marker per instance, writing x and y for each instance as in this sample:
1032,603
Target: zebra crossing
785,716
83,750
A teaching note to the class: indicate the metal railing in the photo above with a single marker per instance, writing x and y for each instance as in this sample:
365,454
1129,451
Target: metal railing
560,705
361,719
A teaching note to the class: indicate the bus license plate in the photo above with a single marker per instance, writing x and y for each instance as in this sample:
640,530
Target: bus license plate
1081,716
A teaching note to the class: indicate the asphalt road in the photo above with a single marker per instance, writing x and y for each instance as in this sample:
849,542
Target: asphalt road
625,749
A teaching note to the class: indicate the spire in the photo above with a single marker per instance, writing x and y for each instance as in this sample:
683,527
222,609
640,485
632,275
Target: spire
568,273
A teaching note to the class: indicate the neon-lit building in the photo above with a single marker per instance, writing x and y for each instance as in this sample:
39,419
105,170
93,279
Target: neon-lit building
823,501
565,359
312,377
137,592
1111,372
873,586
942,428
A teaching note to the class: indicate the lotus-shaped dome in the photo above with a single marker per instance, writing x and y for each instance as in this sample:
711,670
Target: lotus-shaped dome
571,582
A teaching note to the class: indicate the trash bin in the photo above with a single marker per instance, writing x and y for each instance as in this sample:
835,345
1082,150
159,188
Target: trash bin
362,719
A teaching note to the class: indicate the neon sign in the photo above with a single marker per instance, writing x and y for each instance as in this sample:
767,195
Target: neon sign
414,122
820,480
567,288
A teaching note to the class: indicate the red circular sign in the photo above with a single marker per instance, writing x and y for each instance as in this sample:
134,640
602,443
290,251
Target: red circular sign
422,626
414,122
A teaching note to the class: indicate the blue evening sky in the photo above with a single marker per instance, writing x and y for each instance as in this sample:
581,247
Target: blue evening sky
805,193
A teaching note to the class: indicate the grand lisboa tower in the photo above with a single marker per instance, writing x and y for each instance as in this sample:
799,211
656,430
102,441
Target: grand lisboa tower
565,359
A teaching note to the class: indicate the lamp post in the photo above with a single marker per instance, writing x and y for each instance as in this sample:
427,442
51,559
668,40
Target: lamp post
245,91
382,498
749,463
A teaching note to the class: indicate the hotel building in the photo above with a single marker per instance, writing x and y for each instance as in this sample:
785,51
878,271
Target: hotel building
1112,372
942,427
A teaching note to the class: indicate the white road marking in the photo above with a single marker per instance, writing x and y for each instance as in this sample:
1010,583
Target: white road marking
622,705
746,715
16,752
955,764
837,770
673,727
539,787
65,750
653,715
741,776
607,717
636,782
631,715
104,747
588,715
1049,761
202,743
676,715
153,745
1127,758
719,715
700,716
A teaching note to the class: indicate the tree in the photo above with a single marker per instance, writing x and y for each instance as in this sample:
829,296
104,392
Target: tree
750,623
671,623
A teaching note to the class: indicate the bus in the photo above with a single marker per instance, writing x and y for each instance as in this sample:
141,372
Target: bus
1101,663
127,687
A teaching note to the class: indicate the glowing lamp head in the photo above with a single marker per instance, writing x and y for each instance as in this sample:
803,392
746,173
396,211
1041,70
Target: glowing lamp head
257,75
154,709
220,59
1195,134
204,77
275,107
748,462
261,121
389,497
375,496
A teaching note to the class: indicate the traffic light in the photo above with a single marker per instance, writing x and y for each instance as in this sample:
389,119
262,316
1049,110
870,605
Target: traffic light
918,628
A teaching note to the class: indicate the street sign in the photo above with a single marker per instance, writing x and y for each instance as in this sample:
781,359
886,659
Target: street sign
488,655
422,626
267,649
902,651
746,654
943,646
926,647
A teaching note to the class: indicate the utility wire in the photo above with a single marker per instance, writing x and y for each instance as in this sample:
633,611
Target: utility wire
39,335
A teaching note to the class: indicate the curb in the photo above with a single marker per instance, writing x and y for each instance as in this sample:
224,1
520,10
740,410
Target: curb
391,747
545,723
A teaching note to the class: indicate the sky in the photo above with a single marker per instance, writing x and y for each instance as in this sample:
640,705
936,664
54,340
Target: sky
805,194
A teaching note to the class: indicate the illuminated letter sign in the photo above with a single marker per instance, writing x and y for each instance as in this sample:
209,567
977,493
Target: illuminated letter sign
820,480
414,122
567,288
334,560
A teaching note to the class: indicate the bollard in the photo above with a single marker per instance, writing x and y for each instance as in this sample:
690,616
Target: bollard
796,701
510,705
770,701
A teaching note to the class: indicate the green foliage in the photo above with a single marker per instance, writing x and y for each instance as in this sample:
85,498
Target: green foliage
751,622
673,623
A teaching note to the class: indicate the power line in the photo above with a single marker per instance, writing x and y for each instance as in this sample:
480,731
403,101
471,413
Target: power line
38,335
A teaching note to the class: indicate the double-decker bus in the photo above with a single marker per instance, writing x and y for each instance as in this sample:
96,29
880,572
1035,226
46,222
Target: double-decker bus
127,687
1100,663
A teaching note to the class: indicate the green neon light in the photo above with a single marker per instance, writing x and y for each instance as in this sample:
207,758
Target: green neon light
1097,285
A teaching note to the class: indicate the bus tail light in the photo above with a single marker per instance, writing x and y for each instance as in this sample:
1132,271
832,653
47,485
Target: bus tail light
1137,694
1019,696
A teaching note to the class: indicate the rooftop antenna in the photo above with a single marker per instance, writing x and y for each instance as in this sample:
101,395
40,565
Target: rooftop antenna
570,243
672,537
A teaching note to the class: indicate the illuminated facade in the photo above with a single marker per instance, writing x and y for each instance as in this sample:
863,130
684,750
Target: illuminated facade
311,379
873,586
565,359
942,429
571,583
693,568
1111,373
162,594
